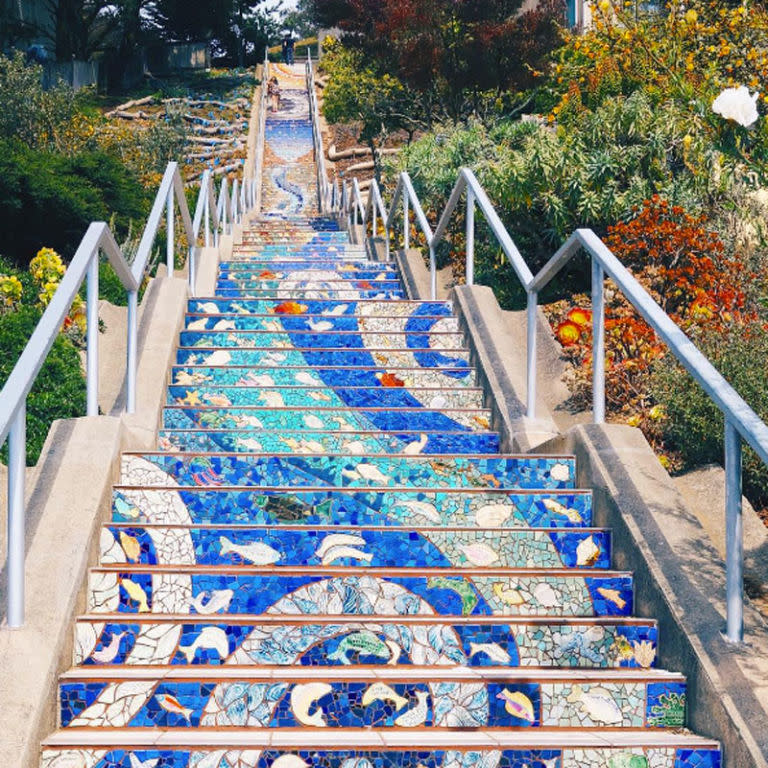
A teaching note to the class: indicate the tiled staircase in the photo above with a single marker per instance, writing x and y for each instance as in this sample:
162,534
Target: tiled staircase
329,564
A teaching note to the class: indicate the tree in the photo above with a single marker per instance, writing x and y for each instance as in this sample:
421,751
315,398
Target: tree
356,92
454,53
82,27
300,20
182,20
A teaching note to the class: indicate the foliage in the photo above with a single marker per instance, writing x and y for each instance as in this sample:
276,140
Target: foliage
50,199
692,425
683,266
692,49
358,93
11,292
46,269
39,118
145,149
59,391
456,57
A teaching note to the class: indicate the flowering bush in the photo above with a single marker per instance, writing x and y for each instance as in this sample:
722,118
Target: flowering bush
11,291
693,48
683,265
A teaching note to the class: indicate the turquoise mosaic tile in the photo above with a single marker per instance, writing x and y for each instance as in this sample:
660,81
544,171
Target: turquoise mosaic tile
295,420
451,443
335,506
406,471
287,547
306,397
374,376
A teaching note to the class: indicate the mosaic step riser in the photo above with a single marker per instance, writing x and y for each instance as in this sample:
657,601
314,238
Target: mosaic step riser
243,590
323,336
324,419
374,377
324,307
341,259
513,472
531,755
250,275
373,397
307,293
301,281
447,364
333,506
304,323
371,703
439,547
314,441
320,642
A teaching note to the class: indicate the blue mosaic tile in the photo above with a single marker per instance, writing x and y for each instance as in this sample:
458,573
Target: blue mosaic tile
307,641
503,509
369,442
352,471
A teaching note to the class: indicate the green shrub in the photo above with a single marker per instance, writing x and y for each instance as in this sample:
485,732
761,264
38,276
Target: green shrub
48,199
693,424
38,118
59,391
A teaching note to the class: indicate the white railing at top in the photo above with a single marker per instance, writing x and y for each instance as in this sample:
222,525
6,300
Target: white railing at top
259,149
741,422
326,192
214,216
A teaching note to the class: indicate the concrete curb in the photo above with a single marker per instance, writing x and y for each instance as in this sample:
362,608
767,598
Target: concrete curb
680,581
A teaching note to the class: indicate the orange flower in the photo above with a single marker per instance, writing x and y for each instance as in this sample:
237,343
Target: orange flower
568,333
290,308
390,380
580,317
267,275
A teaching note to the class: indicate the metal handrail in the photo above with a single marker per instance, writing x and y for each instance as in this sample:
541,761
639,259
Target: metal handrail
741,422
325,191
258,170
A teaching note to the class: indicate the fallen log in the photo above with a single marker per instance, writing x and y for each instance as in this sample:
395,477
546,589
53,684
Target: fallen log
130,104
333,154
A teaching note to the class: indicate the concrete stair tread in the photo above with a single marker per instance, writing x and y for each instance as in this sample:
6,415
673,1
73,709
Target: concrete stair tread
403,673
248,569
270,619
361,739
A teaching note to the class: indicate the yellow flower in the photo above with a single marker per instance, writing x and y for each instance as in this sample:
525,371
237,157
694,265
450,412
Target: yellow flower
691,17
635,420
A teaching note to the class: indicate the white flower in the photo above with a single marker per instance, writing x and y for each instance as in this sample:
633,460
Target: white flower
737,104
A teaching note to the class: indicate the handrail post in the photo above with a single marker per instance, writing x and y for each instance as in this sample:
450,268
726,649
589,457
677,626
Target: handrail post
170,246
406,222
131,351
598,343
432,272
192,271
470,246
531,353
734,536
92,338
17,466
207,217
